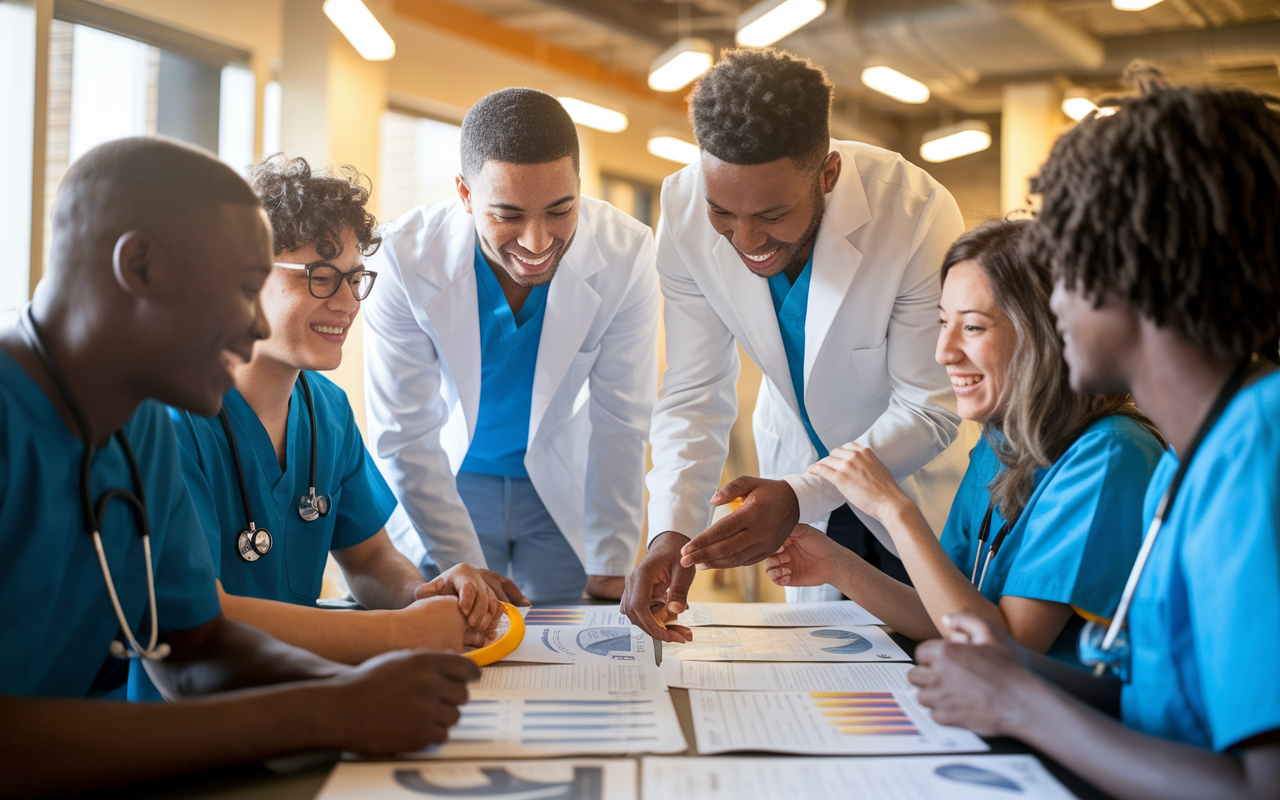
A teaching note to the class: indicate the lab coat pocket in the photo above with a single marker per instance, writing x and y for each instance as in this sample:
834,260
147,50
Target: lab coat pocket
870,363
577,385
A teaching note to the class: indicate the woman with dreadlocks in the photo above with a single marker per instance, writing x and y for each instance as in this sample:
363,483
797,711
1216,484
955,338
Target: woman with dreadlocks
1159,224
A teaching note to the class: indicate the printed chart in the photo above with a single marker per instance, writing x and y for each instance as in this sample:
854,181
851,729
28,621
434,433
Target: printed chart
901,778
577,779
607,616
583,644
857,643
740,676
777,615
822,723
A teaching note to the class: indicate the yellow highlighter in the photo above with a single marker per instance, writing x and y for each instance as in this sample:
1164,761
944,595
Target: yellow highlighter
505,644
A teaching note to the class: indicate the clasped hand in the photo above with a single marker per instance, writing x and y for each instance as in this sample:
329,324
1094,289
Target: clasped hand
480,594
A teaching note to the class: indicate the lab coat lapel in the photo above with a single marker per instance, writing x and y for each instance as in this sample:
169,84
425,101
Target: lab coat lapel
753,305
835,260
449,264
571,309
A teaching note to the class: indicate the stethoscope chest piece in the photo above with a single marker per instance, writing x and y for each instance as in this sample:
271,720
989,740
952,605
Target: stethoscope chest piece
313,506
253,543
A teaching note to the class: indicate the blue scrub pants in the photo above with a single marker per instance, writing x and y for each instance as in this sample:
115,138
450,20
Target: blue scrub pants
520,539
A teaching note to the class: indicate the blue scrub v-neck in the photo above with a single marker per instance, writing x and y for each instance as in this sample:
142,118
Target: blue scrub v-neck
791,304
508,360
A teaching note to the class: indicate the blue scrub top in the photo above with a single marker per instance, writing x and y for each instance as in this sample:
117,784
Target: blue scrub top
791,303
360,500
508,359
1079,533
1204,627
57,617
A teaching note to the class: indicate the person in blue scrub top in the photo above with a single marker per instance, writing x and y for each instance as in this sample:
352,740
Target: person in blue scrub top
1047,518
1159,223
511,354
323,232
151,294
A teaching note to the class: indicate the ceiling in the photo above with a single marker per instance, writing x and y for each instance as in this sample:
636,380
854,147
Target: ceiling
965,50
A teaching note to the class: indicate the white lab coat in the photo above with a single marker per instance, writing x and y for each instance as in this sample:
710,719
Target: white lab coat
593,388
870,334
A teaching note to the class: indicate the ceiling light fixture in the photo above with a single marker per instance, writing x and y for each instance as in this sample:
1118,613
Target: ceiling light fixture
1076,104
356,22
594,116
680,64
953,141
767,22
675,149
1133,5
902,88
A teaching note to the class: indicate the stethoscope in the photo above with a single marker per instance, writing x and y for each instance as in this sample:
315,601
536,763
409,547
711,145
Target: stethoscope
253,542
93,515
1101,656
984,532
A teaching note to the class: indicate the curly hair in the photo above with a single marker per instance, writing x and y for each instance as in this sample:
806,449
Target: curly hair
307,207
1040,417
1170,203
517,126
760,105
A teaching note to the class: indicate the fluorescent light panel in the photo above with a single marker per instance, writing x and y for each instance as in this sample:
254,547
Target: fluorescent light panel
361,28
767,22
1077,107
594,116
953,141
902,88
680,64
674,149
1133,5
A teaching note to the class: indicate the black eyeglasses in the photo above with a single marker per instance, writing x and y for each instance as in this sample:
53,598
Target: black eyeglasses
323,279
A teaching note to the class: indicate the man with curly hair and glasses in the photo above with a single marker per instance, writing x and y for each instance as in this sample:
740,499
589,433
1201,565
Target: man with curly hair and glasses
250,467
820,258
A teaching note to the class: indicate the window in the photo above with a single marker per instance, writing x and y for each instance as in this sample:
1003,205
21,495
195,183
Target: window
418,159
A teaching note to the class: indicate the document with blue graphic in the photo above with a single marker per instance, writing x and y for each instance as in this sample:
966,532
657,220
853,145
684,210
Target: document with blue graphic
579,779
831,643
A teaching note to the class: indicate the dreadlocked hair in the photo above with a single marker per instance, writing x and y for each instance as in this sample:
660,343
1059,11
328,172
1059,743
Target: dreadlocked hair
1169,203
1038,417
308,207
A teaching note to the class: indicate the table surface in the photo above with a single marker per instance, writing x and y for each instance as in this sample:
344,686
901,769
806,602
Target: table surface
301,778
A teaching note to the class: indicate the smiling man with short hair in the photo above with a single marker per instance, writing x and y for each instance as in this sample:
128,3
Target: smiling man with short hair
511,356
821,258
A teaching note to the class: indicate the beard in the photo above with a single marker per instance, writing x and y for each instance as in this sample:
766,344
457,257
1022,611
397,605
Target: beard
794,255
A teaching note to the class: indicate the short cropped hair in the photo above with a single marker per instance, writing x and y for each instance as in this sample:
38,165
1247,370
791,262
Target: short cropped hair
308,207
760,105
1170,204
517,126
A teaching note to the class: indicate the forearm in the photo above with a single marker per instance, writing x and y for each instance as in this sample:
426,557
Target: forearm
1121,761
941,587
896,604
347,637
56,746
387,580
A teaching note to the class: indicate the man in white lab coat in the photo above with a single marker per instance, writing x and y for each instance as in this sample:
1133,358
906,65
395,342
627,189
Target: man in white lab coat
511,363
821,259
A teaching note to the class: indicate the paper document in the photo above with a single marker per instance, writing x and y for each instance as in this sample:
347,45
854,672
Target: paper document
903,778
783,677
578,779
504,724
608,616
583,644
822,723
539,680
864,643
777,615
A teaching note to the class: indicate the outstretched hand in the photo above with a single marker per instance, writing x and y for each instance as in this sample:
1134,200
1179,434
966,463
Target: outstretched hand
975,677
747,535
806,558
657,590
862,478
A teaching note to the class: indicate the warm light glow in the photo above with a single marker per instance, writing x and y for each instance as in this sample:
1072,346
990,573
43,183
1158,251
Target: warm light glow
767,22
1077,107
361,28
887,80
676,68
594,116
673,149
1133,5
953,141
